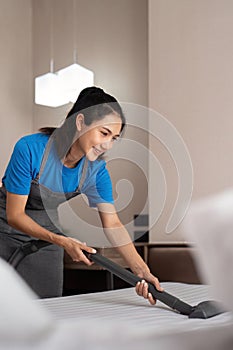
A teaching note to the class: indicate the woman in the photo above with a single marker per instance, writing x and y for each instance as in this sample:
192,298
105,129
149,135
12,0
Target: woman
52,166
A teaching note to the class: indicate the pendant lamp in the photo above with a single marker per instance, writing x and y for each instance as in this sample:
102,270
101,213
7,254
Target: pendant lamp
49,91
75,77
55,89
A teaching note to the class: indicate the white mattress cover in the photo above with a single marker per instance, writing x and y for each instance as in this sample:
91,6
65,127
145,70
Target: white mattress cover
121,320
124,305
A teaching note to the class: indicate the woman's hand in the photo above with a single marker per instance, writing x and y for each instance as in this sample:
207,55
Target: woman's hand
142,287
74,249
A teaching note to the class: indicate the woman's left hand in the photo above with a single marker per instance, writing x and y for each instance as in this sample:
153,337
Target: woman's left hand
142,287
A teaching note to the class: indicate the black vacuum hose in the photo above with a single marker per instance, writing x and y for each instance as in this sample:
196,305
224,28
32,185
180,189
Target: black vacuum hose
129,277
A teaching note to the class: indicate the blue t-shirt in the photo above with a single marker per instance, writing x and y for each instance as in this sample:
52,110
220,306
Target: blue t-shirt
25,164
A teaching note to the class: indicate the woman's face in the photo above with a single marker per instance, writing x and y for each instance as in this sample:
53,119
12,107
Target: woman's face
97,138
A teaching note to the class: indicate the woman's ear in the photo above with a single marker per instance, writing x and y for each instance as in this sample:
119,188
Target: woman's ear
80,122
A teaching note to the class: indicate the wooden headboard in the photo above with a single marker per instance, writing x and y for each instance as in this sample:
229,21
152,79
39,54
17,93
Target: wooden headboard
173,263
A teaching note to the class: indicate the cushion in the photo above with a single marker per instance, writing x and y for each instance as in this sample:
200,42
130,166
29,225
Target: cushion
209,223
21,317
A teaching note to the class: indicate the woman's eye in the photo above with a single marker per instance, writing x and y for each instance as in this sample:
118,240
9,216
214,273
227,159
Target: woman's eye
104,133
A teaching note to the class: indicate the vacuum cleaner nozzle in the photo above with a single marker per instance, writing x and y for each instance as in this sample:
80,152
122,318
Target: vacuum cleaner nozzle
206,309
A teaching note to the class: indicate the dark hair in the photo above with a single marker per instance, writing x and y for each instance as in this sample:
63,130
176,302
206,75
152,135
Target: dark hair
94,103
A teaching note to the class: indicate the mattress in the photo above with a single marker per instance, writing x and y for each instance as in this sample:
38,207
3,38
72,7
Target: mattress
126,306
116,320
121,320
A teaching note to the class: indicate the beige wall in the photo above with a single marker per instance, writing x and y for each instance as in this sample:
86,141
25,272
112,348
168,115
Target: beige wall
16,74
190,76
112,40
190,83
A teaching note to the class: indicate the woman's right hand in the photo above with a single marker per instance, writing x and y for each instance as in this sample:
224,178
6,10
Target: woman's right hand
74,249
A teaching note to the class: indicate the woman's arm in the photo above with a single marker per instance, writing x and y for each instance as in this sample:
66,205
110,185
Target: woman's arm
120,239
17,218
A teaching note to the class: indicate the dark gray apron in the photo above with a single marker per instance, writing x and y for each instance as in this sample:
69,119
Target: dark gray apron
42,270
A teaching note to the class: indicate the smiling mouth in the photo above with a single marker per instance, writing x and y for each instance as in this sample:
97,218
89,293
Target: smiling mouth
97,151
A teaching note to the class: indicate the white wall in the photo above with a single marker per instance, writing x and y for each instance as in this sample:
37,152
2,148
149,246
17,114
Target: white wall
16,74
190,83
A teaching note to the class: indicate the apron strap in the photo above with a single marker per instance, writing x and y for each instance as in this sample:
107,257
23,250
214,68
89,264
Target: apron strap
26,249
45,157
83,175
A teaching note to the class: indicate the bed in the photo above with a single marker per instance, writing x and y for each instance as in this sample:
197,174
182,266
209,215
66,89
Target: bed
117,319
121,320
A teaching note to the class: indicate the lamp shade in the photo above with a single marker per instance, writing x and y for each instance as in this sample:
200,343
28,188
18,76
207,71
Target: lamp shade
48,90
74,79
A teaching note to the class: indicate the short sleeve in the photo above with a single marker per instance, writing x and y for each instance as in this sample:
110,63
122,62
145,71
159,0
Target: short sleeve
100,190
18,175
